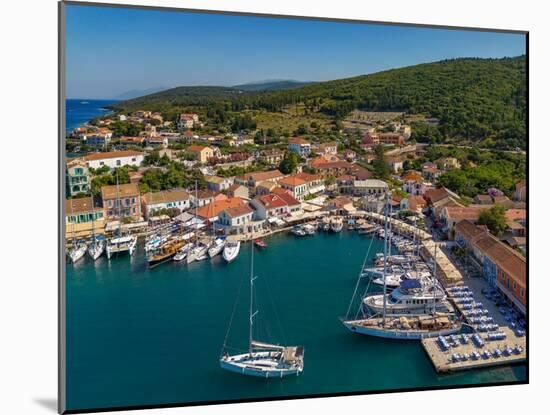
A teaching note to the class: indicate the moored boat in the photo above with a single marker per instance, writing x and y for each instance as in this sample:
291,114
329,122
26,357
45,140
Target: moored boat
217,247
260,243
166,252
231,250
96,248
336,224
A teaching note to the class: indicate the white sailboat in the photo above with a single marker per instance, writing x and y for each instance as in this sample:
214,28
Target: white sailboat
262,360
416,326
120,243
231,250
96,248
78,248
217,247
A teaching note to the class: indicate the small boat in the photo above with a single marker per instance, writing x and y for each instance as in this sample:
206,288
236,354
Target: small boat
77,252
260,243
231,250
182,253
308,229
96,248
336,224
217,247
298,230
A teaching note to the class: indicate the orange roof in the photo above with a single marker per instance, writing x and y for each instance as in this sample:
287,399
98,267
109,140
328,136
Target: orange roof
213,209
297,140
195,148
263,175
80,205
286,196
470,213
516,214
271,201
238,210
120,191
435,195
112,155
412,176
291,181
306,177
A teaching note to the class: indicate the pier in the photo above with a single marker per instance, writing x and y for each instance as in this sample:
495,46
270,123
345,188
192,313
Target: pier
443,361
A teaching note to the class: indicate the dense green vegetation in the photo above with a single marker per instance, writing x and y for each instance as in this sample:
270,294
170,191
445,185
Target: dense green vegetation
475,100
494,218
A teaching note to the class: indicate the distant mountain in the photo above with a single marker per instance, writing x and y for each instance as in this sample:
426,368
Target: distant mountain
138,93
475,100
271,85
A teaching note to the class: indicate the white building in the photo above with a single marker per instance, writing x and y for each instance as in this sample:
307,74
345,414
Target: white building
239,220
299,146
369,187
168,199
113,159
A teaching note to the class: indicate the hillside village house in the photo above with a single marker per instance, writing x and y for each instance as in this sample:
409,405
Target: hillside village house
332,168
395,163
448,163
217,184
187,121
349,155
238,220
166,199
265,187
414,184
157,141
253,179
113,159
301,185
202,153
79,215
272,157
369,187
270,206
504,268
238,190
520,194
451,215
77,178
327,148
122,201
299,146
371,140
131,141
211,211
430,171
201,198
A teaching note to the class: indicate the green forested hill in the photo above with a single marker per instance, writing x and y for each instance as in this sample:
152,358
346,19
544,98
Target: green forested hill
475,100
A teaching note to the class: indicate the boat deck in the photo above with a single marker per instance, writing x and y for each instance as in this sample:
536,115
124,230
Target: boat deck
443,361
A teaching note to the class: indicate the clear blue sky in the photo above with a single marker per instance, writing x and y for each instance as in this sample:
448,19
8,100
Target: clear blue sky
111,50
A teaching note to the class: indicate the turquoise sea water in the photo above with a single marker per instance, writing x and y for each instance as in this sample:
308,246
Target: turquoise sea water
80,111
143,337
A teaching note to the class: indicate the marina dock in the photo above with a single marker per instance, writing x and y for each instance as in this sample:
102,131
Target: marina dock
443,361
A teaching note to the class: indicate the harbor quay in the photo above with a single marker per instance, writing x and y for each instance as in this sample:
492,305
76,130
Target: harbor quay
466,354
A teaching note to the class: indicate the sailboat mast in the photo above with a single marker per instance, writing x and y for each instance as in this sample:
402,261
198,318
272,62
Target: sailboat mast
118,206
385,258
435,274
251,310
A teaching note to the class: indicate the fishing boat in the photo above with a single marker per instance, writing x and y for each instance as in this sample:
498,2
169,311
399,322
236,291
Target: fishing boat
264,360
336,224
97,247
260,243
380,316
166,252
231,250
217,247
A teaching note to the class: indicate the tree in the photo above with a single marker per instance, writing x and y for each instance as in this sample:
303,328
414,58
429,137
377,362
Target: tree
289,163
494,218
379,164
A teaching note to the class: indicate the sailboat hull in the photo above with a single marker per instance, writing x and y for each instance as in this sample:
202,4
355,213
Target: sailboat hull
385,333
261,365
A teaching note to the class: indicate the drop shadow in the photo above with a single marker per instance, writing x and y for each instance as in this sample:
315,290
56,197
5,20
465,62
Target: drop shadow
48,403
